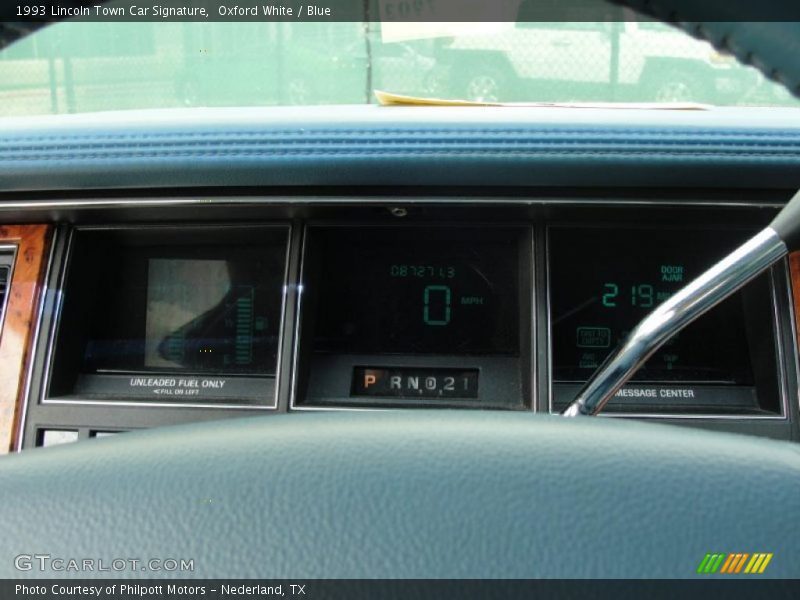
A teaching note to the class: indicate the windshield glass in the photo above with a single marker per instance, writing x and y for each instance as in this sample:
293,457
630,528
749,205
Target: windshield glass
73,67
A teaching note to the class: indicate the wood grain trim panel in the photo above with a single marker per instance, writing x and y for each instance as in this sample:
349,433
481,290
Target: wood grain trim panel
32,243
794,271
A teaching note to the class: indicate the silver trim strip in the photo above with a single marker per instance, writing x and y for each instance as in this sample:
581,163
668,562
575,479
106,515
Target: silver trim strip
677,416
50,401
549,325
296,329
284,294
533,330
792,351
783,384
46,400
686,305
52,338
166,202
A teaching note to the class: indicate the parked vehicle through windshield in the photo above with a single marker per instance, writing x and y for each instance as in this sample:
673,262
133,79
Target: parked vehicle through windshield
77,67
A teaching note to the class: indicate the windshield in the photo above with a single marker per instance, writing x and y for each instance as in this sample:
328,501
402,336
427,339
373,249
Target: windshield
74,67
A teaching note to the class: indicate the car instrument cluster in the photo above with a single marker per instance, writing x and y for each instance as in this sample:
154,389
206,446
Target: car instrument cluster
151,324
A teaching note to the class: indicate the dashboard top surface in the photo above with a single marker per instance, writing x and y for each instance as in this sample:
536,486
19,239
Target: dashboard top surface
387,146
778,118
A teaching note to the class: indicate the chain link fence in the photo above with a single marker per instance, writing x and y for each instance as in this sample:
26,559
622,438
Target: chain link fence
81,67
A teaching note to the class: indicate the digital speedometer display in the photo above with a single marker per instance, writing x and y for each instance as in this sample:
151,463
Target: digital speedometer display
418,291
604,281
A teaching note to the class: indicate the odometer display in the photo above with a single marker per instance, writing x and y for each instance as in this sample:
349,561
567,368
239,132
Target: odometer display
418,291
604,281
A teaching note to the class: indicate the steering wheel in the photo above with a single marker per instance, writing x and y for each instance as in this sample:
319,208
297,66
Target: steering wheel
408,494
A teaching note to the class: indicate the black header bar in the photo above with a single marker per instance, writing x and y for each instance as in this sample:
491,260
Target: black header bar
28,11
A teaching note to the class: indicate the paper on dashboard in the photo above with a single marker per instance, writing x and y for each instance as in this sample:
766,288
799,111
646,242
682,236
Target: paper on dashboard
391,99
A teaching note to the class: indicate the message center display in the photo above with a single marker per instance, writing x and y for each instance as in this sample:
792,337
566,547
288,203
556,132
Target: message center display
174,321
604,281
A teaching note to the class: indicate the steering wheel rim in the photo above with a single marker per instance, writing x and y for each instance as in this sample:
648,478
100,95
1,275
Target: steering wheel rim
408,494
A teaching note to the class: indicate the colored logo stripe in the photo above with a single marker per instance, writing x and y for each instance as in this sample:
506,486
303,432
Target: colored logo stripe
758,563
710,563
734,563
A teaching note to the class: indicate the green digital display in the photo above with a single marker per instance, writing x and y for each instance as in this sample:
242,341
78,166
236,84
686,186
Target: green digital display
172,311
422,271
603,282
641,295
644,295
449,291
228,323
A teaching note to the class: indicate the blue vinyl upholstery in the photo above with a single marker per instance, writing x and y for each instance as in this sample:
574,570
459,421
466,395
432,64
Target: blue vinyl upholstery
409,494
399,146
